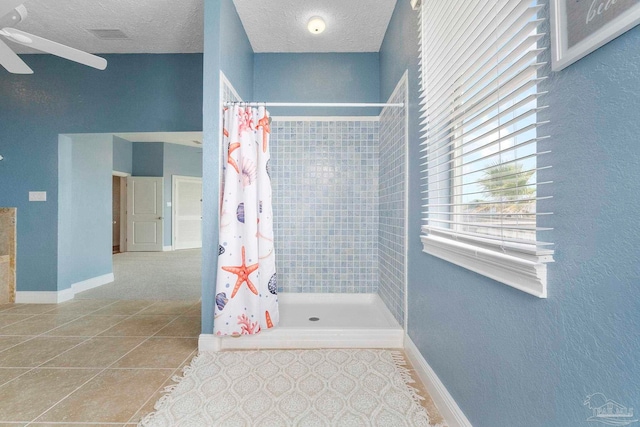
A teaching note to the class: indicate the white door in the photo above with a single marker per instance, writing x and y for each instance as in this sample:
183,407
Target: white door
187,212
144,214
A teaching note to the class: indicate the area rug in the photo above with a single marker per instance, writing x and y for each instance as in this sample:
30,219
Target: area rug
331,387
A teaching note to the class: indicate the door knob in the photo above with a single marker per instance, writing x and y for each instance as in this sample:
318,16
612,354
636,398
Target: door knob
159,217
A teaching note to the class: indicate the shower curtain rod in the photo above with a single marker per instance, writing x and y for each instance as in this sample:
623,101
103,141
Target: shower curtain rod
314,104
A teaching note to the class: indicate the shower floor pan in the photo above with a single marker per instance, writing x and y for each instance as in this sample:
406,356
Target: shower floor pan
325,321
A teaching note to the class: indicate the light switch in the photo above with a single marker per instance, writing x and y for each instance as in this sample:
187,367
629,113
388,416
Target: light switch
37,196
168,204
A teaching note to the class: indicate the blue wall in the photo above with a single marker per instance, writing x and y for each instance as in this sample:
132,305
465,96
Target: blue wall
226,48
84,214
148,159
136,93
510,359
122,155
318,77
178,160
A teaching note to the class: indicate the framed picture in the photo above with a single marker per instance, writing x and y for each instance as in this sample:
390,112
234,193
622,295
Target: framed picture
578,27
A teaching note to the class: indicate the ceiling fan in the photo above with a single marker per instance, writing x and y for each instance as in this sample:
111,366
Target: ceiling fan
11,13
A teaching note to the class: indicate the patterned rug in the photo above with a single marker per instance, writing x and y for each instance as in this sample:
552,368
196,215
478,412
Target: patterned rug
292,388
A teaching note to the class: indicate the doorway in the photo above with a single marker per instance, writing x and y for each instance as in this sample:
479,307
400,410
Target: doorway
119,212
187,212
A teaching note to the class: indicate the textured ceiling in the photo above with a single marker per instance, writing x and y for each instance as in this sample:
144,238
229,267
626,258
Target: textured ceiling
281,25
153,26
176,26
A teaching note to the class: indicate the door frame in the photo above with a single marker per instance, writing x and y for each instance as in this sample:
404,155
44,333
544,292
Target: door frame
123,208
174,200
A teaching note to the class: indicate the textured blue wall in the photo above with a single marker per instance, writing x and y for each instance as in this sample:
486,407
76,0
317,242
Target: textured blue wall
136,93
84,214
178,160
510,359
318,77
148,159
122,155
226,48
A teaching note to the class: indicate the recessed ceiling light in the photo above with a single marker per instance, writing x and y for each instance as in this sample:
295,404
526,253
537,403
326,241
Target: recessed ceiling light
316,25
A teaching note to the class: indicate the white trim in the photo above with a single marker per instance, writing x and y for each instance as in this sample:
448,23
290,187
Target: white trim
292,338
268,104
526,273
94,282
56,297
123,214
405,80
562,56
44,297
448,407
120,174
167,248
325,118
174,208
209,343
225,81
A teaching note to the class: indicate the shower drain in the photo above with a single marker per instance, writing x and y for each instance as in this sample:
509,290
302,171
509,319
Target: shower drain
314,319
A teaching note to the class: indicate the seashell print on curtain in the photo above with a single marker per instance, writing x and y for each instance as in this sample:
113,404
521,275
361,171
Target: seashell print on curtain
246,289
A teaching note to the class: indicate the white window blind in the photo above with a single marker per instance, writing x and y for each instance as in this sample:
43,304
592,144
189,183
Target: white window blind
480,71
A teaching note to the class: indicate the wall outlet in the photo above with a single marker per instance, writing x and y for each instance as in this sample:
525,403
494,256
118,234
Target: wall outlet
37,196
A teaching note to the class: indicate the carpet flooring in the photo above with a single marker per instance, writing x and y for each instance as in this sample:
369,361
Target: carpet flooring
328,387
152,276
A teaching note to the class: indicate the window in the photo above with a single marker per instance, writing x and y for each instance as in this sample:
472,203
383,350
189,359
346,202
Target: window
480,71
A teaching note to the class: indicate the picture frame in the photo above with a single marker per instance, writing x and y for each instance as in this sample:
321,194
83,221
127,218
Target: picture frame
578,27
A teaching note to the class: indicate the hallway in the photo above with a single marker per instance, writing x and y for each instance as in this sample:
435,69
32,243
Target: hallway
173,275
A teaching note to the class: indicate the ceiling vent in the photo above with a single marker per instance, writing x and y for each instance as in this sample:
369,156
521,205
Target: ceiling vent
109,34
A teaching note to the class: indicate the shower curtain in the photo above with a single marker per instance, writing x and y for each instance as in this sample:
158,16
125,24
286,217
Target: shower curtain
246,287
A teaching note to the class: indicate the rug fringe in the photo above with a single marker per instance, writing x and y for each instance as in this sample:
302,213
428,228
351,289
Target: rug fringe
397,359
405,373
147,420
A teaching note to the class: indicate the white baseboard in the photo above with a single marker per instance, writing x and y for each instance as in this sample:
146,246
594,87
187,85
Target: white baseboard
209,342
441,397
292,338
56,297
167,248
94,282
44,297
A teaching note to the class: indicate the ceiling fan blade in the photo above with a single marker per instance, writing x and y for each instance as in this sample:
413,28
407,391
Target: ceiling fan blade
56,49
7,6
11,61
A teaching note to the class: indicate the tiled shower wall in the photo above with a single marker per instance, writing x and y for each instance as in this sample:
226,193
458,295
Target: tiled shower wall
325,202
392,232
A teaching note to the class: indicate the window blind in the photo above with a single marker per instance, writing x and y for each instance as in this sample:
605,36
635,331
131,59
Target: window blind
480,74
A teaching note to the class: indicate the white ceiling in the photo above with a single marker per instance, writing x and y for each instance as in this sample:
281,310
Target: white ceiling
281,25
153,26
182,138
176,26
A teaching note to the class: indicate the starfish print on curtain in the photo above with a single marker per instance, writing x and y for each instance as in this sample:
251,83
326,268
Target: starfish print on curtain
246,252
242,271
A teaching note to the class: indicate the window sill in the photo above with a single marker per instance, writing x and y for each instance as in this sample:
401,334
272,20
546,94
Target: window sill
527,273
